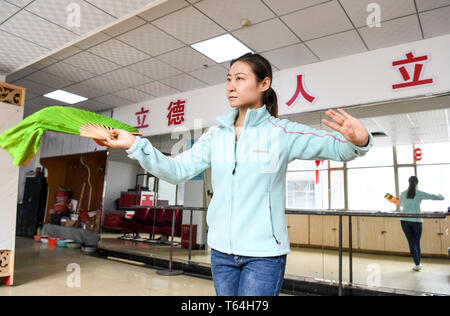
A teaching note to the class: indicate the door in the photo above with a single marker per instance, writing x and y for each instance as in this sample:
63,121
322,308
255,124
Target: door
331,231
395,239
298,229
445,238
431,238
316,231
33,208
371,230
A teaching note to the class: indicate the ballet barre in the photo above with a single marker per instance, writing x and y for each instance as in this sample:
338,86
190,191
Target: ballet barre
358,213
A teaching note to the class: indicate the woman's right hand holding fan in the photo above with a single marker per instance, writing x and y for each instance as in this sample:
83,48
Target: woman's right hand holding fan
119,139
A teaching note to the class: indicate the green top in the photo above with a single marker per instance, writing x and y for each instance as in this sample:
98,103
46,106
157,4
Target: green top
23,140
412,206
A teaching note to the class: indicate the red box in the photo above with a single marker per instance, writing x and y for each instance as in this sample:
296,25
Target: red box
128,199
112,220
185,236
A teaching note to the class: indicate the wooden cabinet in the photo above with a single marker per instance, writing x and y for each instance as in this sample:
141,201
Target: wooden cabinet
382,234
316,237
298,229
394,238
445,238
371,233
368,233
324,231
331,231
431,239
345,234
386,235
435,236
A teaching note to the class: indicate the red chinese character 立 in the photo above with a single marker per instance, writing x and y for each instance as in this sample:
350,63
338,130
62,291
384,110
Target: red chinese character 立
301,90
418,67
141,116
176,113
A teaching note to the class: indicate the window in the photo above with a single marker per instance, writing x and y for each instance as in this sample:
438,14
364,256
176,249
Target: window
404,173
434,180
303,192
376,156
435,153
367,188
405,155
369,178
336,164
337,189
298,164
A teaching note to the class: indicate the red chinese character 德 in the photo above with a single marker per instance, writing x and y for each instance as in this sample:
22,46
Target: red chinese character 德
176,113
301,90
141,116
418,67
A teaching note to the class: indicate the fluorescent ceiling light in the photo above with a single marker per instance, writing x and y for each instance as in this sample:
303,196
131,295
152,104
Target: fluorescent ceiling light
65,97
222,48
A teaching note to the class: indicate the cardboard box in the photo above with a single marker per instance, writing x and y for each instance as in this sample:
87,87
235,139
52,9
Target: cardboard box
71,223
90,223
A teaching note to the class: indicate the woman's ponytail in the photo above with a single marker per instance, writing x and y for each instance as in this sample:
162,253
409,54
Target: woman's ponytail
413,181
270,99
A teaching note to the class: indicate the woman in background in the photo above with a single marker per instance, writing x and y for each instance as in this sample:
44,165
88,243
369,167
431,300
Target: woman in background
412,227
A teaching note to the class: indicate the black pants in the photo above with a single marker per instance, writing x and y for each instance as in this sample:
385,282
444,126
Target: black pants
413,233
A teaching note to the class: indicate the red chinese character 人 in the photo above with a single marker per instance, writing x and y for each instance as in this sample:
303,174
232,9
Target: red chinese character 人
415,80
176,112
141,116
301,90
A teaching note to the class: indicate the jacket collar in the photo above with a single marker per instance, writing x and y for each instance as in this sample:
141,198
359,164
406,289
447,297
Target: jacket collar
253,117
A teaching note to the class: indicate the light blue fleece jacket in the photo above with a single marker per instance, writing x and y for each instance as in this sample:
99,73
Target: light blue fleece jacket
246,215
412,206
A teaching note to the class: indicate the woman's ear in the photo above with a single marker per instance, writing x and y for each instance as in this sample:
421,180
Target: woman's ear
265,84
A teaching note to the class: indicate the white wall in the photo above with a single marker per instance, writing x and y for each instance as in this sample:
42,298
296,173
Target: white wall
10,115
120,176
351,80
167,191
193,197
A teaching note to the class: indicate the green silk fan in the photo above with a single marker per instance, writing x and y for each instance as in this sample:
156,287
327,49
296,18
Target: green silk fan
23,140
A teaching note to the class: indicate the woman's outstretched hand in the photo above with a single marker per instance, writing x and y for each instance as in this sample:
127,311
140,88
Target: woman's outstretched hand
350,127
119,139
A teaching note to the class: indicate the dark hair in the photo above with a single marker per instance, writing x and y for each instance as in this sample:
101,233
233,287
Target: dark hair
413,181
261,68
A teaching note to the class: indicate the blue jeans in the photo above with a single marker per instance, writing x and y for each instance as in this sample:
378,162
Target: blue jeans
413,233
247,276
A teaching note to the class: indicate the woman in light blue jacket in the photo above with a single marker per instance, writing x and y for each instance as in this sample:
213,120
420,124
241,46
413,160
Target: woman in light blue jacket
409,202
248,152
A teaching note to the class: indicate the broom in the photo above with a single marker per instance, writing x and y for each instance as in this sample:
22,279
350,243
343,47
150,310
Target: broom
23,140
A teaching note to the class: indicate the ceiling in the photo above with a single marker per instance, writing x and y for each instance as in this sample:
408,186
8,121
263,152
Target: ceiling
404,122
124,53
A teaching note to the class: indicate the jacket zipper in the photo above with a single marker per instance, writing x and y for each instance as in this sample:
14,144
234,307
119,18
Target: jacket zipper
271,222
232,188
